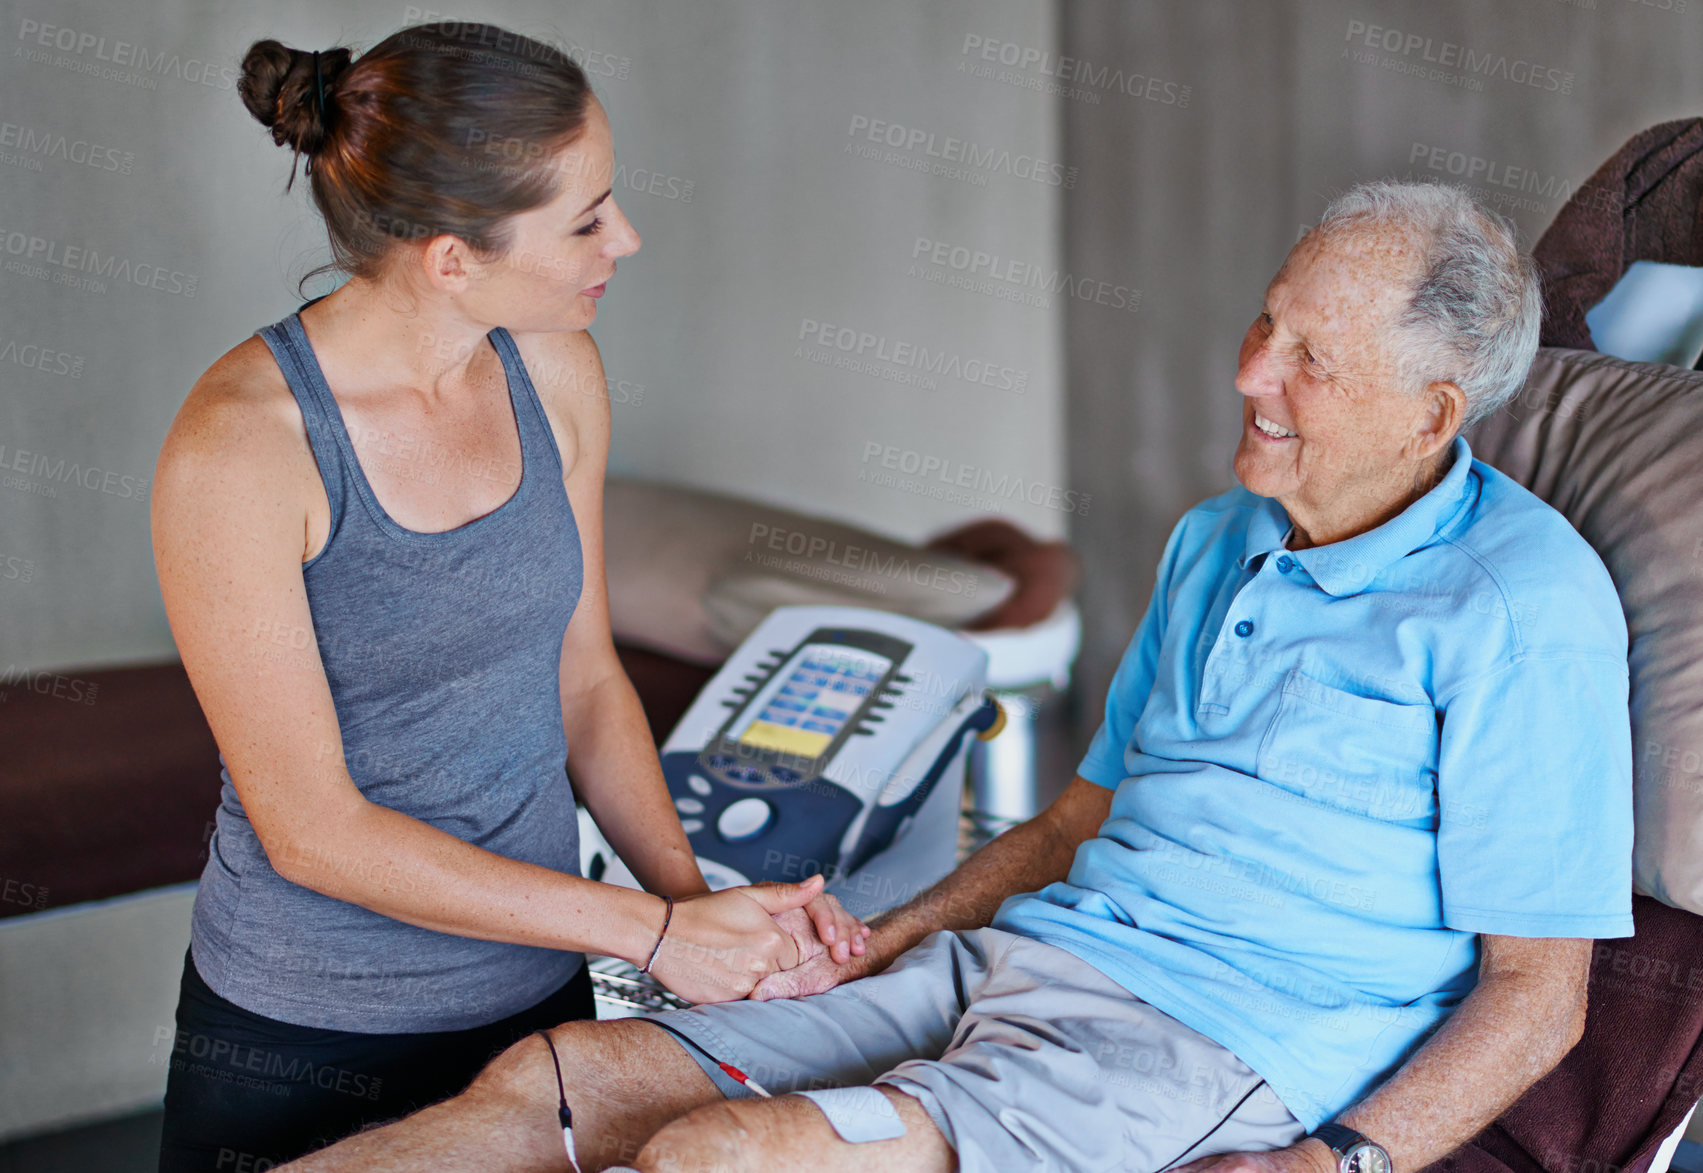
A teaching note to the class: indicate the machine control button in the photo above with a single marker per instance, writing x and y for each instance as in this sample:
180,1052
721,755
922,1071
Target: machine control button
699,784
688,806
691,826
744,818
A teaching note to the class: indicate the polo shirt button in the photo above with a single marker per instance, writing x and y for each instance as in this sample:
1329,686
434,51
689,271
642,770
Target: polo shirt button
1245,628
1285,564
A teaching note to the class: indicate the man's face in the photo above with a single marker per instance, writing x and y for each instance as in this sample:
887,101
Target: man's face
1313,368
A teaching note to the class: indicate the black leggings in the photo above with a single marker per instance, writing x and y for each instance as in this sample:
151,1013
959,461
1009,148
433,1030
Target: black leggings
245,1092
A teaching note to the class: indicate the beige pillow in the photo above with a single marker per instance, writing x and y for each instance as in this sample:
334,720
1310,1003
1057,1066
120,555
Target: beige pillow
692,572
1617,447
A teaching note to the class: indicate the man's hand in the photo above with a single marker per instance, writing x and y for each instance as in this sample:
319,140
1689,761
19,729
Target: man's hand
815,975
838,930
824,929
1307,1156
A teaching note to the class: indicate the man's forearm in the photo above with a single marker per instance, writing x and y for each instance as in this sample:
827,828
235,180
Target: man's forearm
1509,1032
1027,857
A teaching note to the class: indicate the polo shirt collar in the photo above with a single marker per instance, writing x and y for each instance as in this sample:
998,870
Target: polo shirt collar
1347,567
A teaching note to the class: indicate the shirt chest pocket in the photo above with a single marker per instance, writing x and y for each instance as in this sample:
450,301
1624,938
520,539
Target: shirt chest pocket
1367,755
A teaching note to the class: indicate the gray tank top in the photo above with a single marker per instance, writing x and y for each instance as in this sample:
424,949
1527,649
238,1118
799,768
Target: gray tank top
442,651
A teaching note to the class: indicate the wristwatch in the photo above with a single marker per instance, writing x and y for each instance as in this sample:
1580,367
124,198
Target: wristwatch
1355,1151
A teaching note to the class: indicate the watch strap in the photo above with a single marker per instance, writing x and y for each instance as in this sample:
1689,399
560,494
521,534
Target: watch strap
1339,1138
1342,1140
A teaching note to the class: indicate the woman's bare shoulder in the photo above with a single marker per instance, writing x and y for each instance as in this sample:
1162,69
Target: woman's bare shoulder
565,368
567,372
239,426
240,404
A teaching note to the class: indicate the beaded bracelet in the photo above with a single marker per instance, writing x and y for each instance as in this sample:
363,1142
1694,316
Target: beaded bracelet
667,915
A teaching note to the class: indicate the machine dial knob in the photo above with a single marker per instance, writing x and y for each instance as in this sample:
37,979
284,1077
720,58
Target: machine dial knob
744,818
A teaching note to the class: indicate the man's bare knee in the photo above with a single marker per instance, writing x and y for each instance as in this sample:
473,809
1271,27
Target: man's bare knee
525,1072
623,1079
708,1139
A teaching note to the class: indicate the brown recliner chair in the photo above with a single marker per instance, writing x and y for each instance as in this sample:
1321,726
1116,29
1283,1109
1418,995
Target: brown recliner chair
1617,447
1645,203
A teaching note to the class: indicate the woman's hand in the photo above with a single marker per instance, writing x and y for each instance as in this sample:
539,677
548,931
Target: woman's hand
721,944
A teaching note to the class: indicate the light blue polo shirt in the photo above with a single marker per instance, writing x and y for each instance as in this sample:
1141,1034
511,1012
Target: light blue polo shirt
1336,766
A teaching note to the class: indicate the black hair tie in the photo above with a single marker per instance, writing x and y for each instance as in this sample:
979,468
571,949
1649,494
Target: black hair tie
318,87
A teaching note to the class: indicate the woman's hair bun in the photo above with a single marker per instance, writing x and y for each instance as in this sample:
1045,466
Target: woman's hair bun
277,86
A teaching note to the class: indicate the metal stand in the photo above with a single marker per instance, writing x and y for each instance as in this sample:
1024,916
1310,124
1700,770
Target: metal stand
1005,772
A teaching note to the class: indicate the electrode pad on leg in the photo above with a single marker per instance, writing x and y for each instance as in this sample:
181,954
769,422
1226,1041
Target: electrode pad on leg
858,1114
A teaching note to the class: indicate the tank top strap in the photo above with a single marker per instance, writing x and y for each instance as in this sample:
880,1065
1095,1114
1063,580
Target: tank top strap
535,433
289,345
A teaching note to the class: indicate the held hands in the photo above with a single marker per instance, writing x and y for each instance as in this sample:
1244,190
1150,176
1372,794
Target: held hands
814,975
820,966
719,945
831,950
824,927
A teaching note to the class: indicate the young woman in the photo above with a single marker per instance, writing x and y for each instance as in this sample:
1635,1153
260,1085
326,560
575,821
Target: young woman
377,526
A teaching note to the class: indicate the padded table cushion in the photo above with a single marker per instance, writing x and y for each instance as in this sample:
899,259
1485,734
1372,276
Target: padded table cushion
110,778
109,784
692,572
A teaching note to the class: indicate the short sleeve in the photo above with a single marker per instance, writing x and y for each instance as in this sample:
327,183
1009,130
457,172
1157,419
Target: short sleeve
1104,762
1534,796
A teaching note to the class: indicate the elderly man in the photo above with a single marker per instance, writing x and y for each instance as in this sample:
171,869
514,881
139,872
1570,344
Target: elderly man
1322,894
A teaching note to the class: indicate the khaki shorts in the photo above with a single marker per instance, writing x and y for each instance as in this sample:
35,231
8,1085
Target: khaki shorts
1024,1055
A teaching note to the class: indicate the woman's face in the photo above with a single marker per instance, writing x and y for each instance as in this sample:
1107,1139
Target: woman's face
562,254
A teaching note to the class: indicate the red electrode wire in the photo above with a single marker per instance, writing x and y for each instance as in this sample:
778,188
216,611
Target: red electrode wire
740,1077
732,1072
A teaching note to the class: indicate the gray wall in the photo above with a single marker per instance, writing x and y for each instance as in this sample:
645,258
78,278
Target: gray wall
734,124
1202,202
1202,136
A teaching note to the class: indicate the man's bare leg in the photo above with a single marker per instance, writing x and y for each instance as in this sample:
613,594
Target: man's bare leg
625,1080
789,1133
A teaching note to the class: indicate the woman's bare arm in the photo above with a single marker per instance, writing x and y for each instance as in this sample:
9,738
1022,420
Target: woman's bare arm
614,765
615,768
230,509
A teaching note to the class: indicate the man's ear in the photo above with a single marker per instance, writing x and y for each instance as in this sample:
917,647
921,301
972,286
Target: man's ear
1441,411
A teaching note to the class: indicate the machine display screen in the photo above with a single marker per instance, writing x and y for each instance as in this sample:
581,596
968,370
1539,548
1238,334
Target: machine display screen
812,698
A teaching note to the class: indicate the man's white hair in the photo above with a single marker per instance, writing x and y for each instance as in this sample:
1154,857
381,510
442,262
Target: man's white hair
1472,316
